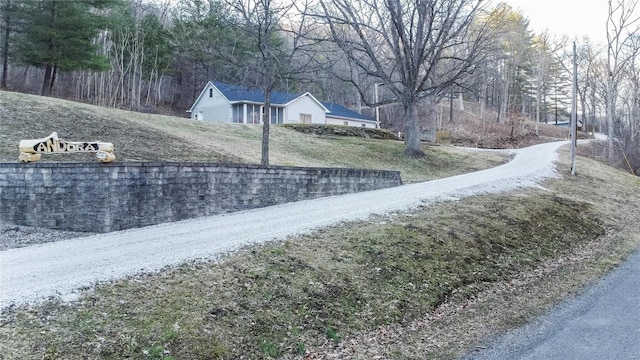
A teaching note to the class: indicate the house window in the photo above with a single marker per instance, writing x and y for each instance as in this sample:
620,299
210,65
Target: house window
277,115
210,92
254,112
305,118
346,123
237,114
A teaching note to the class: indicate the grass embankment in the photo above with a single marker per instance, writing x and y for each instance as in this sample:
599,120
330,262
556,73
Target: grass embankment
148,137
430,284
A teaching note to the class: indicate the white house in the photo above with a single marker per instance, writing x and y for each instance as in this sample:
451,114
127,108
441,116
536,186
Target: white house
238,104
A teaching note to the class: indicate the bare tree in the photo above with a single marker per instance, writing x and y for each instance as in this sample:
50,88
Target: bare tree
545,61
514,59
279,30
633,78
587,63
623,23
628,105
418,49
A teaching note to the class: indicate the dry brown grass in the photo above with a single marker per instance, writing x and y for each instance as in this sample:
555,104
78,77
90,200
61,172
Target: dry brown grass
146,137
464,323
516,133
434,283
430,284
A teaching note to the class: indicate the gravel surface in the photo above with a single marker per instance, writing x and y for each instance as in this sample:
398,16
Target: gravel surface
14,236
60,268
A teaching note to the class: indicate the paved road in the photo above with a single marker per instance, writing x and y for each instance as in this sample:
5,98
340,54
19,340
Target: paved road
602,323
60,268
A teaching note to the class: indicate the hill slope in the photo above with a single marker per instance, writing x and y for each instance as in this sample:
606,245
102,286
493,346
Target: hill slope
148,137
434,283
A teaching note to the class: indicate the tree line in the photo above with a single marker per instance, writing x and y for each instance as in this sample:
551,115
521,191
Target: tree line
156,55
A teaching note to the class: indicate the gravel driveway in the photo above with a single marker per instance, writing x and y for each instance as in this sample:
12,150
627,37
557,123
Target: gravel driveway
60,268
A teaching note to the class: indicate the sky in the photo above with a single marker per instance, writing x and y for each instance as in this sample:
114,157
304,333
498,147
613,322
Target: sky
574,18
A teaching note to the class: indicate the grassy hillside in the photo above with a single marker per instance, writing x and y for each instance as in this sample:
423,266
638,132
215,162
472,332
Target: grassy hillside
147,137
434,283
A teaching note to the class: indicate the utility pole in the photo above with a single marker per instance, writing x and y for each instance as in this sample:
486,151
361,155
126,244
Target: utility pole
375,93
574,109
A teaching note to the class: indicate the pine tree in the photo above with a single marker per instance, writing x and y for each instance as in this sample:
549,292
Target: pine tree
59,35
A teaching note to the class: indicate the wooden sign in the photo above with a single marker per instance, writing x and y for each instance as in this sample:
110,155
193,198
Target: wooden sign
32,150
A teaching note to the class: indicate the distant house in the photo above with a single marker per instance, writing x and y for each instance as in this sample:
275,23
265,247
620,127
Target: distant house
238,104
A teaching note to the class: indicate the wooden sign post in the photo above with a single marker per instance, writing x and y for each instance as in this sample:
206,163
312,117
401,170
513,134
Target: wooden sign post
32,150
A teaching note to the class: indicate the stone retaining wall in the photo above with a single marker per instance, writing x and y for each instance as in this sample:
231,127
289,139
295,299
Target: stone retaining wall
98,197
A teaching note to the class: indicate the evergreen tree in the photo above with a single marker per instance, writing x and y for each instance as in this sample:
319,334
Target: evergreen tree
209,44
59,35
514,66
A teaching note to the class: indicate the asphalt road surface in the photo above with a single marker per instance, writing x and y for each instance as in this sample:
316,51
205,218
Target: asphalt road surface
600,324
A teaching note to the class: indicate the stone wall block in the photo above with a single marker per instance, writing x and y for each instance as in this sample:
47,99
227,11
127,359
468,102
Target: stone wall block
98,197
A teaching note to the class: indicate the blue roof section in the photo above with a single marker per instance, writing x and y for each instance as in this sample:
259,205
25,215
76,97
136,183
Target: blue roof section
341,111
243,93
239,93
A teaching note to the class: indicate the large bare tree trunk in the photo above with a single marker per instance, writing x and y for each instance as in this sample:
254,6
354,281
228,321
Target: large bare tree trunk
413,146
46,83
416,48
54,74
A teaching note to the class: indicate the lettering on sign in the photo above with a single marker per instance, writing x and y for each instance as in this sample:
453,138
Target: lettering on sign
31,150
